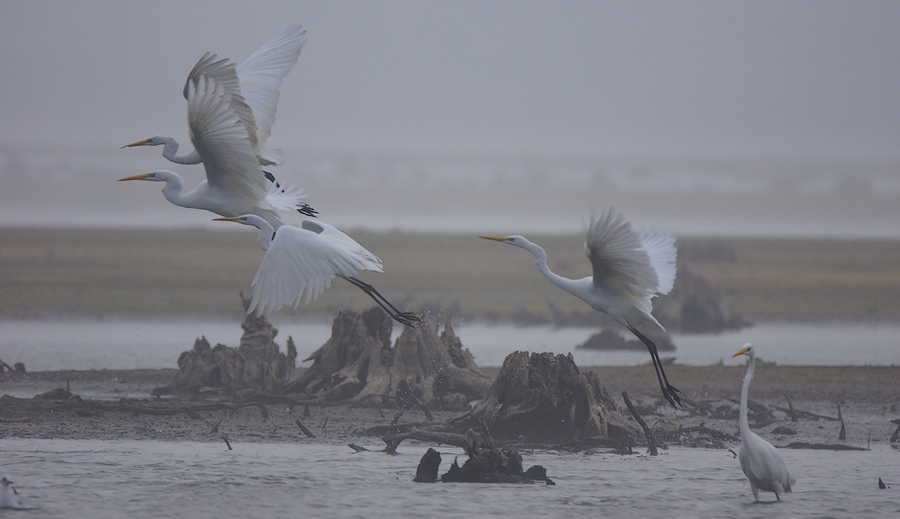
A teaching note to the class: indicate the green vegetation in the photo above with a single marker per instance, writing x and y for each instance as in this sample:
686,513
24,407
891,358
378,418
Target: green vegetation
84,271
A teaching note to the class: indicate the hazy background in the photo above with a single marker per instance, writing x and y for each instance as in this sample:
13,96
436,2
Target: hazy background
700,117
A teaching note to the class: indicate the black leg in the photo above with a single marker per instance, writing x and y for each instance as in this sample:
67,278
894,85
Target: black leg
669,391
307,210
408,318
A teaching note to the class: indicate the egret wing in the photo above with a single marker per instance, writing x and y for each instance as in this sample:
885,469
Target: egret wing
620,263
661,251
224,72
341,239
301,262
222,141
260,78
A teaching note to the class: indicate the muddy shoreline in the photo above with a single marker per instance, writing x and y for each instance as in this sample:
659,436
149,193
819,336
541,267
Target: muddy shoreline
869,398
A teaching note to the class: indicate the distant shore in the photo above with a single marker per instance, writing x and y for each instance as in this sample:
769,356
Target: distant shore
83,273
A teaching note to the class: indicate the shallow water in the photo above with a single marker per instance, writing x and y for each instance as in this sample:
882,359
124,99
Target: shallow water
99,479
99,344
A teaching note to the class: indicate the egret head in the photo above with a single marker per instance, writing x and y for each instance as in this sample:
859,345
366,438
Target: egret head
246,219
5,481
515,239
152,141
747,350
153,176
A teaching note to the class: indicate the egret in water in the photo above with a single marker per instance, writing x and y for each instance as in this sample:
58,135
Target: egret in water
300,262
235,183
253,87
630,268
9,498
760,460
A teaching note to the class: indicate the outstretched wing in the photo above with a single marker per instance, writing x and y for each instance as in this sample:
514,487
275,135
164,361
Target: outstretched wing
621,261
223,143
301,262
224,72
660,248
260,78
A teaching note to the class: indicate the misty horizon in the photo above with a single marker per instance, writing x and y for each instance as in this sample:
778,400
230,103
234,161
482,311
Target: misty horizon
763,118
692,79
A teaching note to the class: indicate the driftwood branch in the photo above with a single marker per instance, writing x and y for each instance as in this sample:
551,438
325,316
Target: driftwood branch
651,442
394,440
807,414
792,413
305,431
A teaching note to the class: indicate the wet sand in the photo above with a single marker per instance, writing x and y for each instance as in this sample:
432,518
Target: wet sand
869,398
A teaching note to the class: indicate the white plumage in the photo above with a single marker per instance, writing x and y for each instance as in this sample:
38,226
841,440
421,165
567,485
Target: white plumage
9,498
235,182
760,460
230,114
301,262
254,89
629,269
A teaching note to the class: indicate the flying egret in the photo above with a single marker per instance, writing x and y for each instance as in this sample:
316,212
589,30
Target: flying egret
9,498
235,183
760,460
630,268
253,87
300,262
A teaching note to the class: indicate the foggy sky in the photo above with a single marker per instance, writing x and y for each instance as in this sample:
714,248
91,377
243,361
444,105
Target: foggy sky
677,78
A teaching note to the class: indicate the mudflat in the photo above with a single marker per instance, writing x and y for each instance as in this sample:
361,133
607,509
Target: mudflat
869,398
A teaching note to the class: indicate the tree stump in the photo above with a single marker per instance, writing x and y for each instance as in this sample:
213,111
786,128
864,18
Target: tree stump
427,471
256,364
359,365
544,398
695,306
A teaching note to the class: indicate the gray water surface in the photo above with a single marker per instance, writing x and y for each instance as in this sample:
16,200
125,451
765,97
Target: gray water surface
150,344
100,479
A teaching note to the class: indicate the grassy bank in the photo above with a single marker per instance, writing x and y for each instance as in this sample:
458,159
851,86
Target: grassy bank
149,271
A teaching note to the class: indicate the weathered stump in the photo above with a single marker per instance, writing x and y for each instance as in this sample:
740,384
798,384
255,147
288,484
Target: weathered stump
256,364
695,306
536,399
488,464
427,471
422,369
544,398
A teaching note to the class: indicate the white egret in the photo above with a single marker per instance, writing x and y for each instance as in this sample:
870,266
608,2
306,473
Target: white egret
300,262
235,183
9,498
630,268
760,460
253,87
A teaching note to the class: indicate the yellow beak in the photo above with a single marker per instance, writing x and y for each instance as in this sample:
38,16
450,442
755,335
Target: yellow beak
742,351
494,238
227,219
138,143
142,176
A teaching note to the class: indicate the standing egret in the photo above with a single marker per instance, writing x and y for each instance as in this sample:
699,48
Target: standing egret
253,87
630,268
304,260
235,183
760,460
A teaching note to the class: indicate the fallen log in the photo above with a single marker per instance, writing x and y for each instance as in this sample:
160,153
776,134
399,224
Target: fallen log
823,446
